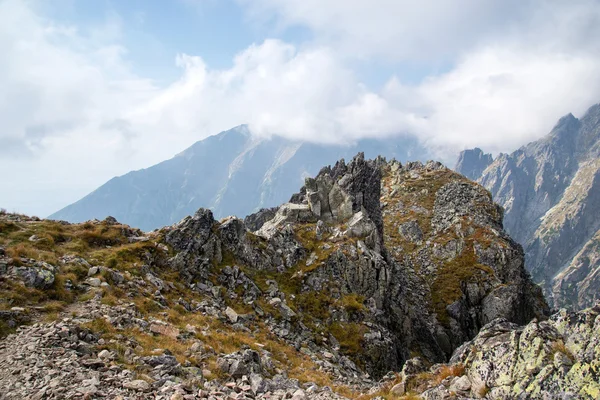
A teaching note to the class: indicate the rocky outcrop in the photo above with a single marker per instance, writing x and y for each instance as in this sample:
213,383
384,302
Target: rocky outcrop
436,240
553,359
62,359
447,233
550,192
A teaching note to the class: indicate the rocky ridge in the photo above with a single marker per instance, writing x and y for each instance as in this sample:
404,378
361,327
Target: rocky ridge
550,192
371,264
553,359
232,173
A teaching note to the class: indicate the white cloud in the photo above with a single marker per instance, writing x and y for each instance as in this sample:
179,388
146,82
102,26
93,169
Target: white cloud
74,114
397,30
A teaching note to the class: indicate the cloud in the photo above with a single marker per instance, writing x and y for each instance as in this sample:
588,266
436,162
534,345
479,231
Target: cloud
74,114
516,66
396,30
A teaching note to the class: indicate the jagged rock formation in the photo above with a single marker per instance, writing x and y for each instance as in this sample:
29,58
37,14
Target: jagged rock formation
550,190
232,173
438,242
553,359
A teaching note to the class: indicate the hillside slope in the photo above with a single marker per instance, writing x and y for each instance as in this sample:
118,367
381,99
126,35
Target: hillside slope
550,190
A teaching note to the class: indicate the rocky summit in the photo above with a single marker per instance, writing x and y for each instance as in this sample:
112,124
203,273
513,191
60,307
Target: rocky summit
376,280
550,190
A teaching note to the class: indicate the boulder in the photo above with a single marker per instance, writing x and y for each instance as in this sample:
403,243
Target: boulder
36,277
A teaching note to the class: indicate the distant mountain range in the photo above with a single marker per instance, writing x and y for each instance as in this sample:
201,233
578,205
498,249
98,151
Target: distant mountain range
550,191
232,173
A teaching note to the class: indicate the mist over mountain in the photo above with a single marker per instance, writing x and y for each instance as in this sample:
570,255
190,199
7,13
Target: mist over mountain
232,173
550,191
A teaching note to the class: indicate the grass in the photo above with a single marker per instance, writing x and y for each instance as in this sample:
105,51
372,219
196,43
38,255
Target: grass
482,391
315,304
560,347
350,336
447,286
102,326
97,242
447,371
352,303
5,330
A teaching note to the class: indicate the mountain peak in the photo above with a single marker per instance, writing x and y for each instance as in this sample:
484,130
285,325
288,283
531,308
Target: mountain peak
471,163
549,191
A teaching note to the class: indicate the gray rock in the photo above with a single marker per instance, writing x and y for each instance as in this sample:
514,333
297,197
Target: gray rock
231,315
258,383
299,395
472,163
137,384
39,278
95,282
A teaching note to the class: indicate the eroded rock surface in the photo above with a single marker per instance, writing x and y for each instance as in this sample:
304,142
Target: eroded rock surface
553,359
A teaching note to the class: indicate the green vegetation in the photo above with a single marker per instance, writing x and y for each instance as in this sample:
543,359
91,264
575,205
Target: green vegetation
350,335
446,287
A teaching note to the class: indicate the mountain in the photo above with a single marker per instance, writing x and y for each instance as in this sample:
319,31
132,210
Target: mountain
372,267
232,173
550,191
472,163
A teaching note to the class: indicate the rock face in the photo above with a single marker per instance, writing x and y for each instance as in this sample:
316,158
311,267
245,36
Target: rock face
472,163
553,359
550,191
232,173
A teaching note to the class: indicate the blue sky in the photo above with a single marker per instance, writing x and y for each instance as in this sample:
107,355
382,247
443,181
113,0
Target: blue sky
95,88
154,31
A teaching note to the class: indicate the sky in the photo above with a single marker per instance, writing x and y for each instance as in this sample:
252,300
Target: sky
91,89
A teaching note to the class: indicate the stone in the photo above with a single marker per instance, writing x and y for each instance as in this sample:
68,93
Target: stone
258,384
196,347
105,355
286,312
137,384
398,389
299,395
39,278
231,315
94,282
461,384
162,328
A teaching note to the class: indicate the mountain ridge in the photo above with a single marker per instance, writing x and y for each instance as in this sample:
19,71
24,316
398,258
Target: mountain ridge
232,173
550,189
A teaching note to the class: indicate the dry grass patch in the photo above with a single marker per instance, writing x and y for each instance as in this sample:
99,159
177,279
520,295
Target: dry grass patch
448,370
560,347
446,288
